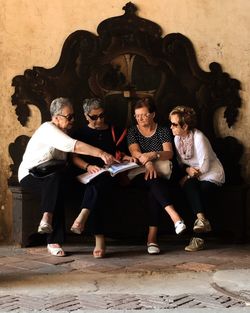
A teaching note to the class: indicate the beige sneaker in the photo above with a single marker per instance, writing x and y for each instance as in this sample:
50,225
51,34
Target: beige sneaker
202,226
195,244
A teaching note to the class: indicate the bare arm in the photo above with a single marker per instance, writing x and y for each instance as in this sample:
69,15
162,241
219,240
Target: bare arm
135,150
166,154
86,149
79,162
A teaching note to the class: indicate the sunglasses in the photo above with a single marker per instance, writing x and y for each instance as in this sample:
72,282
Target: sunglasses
68,117
95,117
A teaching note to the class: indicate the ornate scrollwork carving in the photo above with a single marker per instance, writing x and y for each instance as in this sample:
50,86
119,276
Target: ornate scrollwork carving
16,151
129,58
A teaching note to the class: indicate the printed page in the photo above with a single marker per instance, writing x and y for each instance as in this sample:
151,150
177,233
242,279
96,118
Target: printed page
121,167
86,177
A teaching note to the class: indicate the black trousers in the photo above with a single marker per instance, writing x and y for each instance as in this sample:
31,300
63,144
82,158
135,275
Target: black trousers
51,189
199,194
95,198
158,195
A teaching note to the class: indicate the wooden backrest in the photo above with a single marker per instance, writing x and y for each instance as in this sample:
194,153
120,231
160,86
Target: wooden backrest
129,58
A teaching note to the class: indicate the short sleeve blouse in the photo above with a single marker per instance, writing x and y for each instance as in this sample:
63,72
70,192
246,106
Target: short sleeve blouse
152,143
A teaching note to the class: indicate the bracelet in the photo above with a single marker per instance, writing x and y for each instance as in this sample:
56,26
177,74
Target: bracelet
86,167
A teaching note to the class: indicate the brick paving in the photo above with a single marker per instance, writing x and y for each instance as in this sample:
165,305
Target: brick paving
19,266
71,303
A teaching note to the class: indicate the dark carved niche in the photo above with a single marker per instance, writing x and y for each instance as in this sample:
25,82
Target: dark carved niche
129,58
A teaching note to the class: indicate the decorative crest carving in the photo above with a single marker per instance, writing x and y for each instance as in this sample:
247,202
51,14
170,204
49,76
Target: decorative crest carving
129,58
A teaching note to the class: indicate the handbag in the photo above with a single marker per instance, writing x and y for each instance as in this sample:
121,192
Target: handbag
163,169
48,168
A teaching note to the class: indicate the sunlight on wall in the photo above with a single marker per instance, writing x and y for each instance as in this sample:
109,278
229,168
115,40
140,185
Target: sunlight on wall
32,34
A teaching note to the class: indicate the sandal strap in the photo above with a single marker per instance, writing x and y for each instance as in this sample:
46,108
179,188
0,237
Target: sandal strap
153,245
44,227
55,250
77,228
99,253
77,224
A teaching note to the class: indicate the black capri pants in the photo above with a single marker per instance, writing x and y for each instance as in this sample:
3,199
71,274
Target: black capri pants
52,200
95,199
158,195
199,194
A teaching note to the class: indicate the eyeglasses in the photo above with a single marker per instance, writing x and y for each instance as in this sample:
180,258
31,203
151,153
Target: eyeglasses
95,117
174,124
144,115
68,117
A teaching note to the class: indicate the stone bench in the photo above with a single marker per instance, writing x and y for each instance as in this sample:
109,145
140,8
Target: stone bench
126,217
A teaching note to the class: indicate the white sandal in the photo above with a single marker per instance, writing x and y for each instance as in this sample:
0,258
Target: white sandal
44,228
153,248
55,251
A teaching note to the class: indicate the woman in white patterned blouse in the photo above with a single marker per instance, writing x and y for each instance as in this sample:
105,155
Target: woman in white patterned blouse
202,171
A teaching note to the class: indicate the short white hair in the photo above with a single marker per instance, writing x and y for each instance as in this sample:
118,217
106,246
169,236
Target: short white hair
58,104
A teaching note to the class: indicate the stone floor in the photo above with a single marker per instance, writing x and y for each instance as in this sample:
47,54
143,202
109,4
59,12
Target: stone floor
127,279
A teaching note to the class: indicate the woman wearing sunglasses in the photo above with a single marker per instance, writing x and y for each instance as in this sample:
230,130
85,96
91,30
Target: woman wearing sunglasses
148,142
202,171
51,142
99,134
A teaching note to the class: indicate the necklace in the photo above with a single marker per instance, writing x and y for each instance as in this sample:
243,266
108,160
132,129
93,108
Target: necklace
147,131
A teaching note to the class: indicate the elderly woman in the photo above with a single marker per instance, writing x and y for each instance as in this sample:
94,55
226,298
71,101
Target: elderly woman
148,142
50,141
98,133
203,172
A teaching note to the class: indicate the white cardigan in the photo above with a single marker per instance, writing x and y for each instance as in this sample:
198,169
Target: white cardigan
204,158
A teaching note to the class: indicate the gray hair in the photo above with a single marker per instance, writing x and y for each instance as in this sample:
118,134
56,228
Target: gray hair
58,104
186,115
92,104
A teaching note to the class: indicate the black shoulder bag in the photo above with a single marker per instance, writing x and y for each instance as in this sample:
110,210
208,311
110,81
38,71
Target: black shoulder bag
48,168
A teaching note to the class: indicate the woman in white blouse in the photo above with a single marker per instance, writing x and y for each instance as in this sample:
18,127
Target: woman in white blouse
202,169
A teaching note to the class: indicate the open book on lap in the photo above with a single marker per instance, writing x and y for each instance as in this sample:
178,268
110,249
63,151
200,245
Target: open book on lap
113,169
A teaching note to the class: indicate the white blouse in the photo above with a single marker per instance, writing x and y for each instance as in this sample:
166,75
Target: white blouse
204,158
48,142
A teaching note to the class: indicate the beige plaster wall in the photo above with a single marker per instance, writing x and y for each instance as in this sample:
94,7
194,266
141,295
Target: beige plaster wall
32,34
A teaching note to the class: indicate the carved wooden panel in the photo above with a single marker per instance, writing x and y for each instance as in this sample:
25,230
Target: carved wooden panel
129,58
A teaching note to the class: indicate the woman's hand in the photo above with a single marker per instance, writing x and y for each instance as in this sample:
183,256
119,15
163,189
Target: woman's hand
128,158
150,171
193,172
91,169
146,157
107,158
